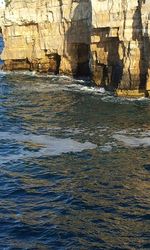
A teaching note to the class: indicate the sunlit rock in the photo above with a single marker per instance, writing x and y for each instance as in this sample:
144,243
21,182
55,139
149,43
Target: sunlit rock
107,40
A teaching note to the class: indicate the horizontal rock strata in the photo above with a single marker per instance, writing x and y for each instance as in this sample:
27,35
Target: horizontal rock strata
108,40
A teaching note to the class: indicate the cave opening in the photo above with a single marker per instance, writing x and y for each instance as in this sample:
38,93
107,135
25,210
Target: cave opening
58,61
109,65
83,56
54,63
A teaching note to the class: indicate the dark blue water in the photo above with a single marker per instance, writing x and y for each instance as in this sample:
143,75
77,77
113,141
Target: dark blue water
74,166
1,47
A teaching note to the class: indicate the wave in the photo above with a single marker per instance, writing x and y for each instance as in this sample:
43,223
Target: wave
50,83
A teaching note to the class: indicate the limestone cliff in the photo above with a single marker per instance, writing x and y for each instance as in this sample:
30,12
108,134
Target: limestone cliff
109,40
120,39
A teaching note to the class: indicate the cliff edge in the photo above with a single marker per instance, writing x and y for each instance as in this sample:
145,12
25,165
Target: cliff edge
105,39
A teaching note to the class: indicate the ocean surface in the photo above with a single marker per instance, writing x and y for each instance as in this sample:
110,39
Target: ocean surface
74,166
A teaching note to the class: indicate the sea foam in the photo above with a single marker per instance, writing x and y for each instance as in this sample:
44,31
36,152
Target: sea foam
46,145
142,140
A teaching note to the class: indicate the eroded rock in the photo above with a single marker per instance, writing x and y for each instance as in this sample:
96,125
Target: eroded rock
109,40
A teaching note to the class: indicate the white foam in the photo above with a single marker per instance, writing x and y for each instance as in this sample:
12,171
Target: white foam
76,87
132,141
92,89
145,133
106,148
54,83
47,145
124,100
35,74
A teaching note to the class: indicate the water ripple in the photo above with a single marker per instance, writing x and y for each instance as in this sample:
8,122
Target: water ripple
74,166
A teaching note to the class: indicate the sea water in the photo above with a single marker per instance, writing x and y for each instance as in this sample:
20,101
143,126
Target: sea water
74,166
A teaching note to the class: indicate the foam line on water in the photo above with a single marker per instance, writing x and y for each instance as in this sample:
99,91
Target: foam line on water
47,145
35,74
133,141
124,100
56,83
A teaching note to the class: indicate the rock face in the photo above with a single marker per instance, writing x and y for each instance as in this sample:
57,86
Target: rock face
109,40
48,36
120,40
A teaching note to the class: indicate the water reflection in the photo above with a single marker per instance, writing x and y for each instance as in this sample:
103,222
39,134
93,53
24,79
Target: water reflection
96,198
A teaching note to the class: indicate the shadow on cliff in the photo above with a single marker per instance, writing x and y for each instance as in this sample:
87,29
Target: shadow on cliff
78,39
112,67
140,34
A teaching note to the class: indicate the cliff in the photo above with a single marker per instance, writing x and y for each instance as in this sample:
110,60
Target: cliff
108,40
120,39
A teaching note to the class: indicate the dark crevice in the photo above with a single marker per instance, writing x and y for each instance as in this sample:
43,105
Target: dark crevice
83,68
78,40
111,71
58,61
143,41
